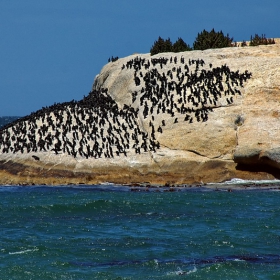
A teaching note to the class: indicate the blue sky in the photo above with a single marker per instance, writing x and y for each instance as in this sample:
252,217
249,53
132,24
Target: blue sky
50,51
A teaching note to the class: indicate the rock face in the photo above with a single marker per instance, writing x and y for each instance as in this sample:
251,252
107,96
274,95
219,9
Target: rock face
176,118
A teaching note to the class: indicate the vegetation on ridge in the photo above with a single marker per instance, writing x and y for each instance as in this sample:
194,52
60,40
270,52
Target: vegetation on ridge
211,40
162,45
205,40
260,40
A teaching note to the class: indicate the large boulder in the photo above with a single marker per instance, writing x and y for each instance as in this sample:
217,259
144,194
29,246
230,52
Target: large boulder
190,117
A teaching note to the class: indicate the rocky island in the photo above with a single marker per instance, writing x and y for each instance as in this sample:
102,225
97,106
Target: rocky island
173,118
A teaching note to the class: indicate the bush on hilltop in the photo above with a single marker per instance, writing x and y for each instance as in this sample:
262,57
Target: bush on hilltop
260,40
205,40
180,46
161,46
211,40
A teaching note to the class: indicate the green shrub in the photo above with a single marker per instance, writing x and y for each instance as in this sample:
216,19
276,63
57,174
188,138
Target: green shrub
161,46
260,40
180,46
211,40
205,40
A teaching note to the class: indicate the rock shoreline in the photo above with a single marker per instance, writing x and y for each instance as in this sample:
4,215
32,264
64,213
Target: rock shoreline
146,187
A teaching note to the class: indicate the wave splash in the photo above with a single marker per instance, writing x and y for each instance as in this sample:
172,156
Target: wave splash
23,251
179,271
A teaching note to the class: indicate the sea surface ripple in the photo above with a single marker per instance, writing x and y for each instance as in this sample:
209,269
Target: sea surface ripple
111,232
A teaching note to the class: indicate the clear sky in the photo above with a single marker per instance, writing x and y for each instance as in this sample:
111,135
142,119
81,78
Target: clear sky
50,51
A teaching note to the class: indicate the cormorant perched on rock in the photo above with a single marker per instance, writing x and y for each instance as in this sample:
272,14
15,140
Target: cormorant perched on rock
35,157
97,126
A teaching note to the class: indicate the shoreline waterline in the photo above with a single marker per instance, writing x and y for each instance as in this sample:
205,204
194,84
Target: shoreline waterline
234,184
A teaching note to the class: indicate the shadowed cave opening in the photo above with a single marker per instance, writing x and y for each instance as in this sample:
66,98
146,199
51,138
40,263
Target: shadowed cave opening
259,167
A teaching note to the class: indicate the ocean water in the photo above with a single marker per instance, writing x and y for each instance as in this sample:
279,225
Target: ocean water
109,232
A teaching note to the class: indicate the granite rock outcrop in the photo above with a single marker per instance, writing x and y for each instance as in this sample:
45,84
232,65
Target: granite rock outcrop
194,117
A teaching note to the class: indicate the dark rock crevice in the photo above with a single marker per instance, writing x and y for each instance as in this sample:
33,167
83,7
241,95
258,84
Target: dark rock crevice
259,168
255,160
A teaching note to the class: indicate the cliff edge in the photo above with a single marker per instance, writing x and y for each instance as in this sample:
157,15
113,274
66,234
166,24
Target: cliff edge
178,118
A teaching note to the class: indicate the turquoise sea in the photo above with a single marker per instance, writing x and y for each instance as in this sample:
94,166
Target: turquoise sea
112,232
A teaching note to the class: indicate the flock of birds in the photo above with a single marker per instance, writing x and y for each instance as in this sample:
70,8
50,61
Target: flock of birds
97,127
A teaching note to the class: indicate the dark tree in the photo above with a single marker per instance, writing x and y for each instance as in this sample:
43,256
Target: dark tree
260,40
180,46
168,45
161,46
211,40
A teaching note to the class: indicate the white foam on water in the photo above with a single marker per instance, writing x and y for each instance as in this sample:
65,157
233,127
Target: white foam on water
23,252
192,271
179,271
238,260
237,181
